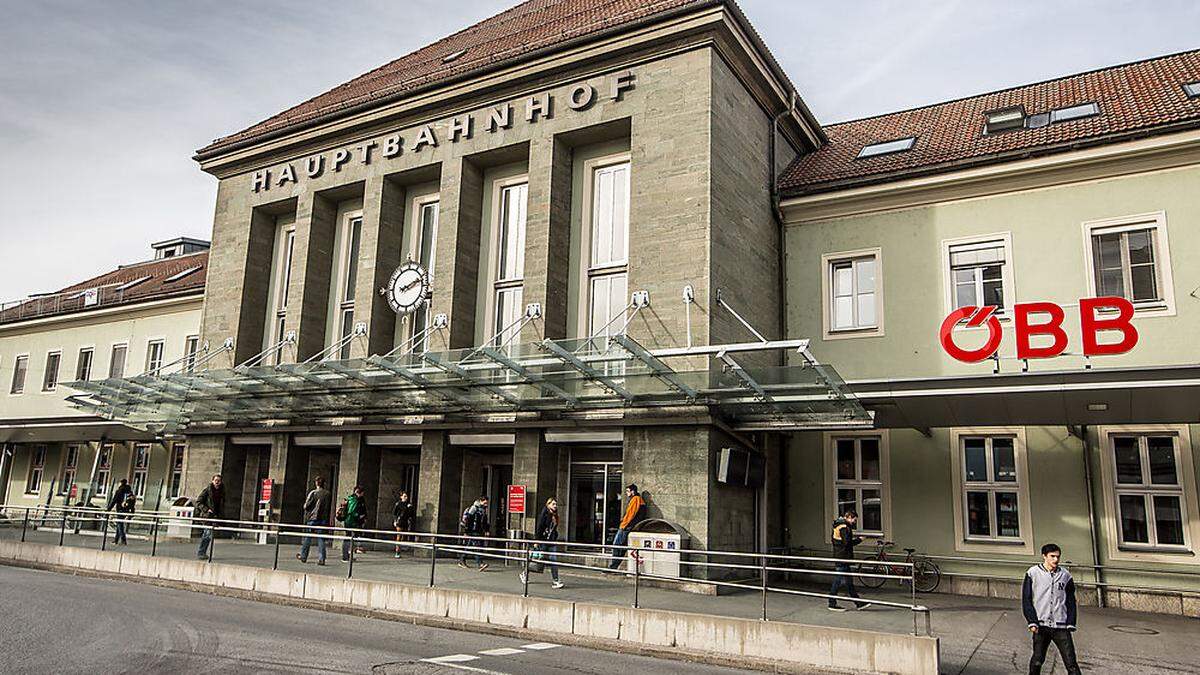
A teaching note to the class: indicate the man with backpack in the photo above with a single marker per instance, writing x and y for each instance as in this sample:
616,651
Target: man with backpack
353,514
474,523
316,515
124,501
209,505
844,541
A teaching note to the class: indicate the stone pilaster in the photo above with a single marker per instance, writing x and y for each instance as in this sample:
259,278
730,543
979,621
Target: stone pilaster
312,267
548,237
456,286
535,465
379,255
289,470
441,483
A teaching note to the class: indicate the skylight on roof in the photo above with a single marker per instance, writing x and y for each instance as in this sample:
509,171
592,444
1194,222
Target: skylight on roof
1192,89
1074,112
453,55
1004,119
887,147
130,284
179,275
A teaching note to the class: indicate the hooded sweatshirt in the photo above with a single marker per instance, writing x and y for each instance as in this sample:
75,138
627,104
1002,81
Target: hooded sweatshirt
1048,598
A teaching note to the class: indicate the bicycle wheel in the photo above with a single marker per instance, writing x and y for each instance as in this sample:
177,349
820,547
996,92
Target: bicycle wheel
926,576
872,582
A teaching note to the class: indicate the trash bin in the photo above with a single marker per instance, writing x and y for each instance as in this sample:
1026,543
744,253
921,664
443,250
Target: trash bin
655,545
179,526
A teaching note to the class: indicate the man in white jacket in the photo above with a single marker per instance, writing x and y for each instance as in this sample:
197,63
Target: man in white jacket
1048,601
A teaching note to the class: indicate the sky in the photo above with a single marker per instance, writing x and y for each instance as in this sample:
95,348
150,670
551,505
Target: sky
103,102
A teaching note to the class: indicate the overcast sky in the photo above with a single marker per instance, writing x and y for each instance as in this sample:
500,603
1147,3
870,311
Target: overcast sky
102,102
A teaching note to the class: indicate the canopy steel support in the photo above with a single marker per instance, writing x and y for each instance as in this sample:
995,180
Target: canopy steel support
589,372
529,375
661,370
750,382
456,370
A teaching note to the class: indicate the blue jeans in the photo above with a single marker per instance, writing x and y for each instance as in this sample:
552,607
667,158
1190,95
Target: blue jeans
306,543
548,558
119,535
206,536
476,544
620,539
843,581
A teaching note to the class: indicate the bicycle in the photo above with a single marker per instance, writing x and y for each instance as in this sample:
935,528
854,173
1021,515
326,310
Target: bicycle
925,573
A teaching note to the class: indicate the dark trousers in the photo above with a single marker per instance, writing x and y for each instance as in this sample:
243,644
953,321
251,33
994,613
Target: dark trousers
476,555
1061,637
842,581
206,537
119,534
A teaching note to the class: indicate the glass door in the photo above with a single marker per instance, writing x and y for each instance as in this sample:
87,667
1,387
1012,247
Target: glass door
595,501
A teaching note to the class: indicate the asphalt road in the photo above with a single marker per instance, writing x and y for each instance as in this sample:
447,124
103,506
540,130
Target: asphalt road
60,623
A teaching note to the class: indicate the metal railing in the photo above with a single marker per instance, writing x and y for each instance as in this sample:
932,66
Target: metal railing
719,569
61,303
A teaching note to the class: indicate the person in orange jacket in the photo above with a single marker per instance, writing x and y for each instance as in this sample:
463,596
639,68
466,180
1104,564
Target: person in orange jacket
635,511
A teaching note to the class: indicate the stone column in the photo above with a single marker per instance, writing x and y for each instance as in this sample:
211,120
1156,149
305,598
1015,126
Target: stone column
312,267
289,470
379,255
459,222
441,483
670,465
548,237
359,465
535,465
209,455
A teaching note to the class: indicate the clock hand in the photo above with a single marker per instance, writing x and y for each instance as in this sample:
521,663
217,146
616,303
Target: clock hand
410,285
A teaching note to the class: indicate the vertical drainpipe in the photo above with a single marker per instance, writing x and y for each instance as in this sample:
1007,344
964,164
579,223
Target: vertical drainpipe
779,222
1091,499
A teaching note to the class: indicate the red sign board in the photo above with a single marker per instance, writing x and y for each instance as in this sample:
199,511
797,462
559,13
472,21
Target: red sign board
267,486
74,490
516,499
1097,316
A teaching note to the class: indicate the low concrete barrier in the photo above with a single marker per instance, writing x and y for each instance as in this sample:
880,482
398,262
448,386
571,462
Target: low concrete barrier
775,645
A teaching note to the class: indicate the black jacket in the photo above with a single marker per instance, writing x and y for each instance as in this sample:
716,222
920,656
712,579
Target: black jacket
316,506
843,539
403,514
119,497
211,502
547,529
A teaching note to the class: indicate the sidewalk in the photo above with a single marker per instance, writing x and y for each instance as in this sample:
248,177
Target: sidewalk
983,635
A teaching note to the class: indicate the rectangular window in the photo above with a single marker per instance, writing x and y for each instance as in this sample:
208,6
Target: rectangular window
1004,120
508,286
426,243
853,288
154,357
50,381
103,469
20,368
1151,509
608,269
281,278
858,480
175,482
191,346
1128,259
83,367
887,147
349,283
70,469
37,468
116,363
141,467
979,273
991,488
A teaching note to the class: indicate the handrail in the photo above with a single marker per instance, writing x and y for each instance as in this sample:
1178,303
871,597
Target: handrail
570,555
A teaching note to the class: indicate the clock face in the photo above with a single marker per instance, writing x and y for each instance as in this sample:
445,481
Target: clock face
408,288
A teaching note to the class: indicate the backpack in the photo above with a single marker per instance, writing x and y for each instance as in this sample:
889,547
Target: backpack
342,508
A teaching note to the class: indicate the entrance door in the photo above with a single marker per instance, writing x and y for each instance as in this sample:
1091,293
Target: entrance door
496,479
595,501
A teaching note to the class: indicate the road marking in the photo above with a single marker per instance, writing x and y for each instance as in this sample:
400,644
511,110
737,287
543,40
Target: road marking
538,646
455,661
452,658
502,651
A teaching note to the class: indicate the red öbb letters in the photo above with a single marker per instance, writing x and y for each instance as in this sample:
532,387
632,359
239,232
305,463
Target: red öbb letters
1044,318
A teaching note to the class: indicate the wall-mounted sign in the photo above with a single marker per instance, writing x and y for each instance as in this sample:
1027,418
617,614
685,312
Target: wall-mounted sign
268,487
1096,316
407,288
542,106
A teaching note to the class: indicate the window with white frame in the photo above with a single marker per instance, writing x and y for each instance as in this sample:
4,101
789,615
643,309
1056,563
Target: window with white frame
140,468
70,469
853,285
348,282
20,370
175,480
103,469
191,346
154,357
116,362
281,279
83,366
980,273
50,380
37,468
508,285
858,480
991,490
424,246
608,263
1148,485
1128,258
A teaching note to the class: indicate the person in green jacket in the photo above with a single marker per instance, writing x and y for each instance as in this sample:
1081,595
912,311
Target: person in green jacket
356,517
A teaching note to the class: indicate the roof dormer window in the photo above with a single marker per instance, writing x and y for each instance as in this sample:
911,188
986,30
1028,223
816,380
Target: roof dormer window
887,147
452,56
1074,112
179,275
130,284
1004,119
1192,89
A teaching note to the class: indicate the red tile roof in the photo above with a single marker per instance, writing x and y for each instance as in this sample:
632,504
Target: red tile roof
509,36
1146,97
112,289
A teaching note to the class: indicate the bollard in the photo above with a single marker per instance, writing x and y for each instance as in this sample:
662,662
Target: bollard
24,525
763,559
275,565
154,537
212,541
62,533
525,577
350,567
432,562
637,576
104,534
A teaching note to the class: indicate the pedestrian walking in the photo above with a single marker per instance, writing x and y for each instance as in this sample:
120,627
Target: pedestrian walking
210,505
1048,602
404,512
474,524
635,512
316,516
353,514
122,501
547,531
844,541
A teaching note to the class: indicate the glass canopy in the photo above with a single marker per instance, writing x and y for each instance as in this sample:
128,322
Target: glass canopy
556,378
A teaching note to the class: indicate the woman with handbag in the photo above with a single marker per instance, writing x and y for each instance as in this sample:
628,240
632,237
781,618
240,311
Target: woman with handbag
547,531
